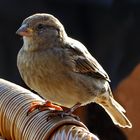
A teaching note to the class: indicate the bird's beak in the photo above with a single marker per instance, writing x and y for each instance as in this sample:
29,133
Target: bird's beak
24,30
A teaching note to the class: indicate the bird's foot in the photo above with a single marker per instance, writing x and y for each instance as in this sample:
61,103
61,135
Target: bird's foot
62,114
43,106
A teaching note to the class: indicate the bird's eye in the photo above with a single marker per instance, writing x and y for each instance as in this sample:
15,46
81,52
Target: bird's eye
40,26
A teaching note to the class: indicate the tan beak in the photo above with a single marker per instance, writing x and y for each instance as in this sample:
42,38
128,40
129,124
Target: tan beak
24,30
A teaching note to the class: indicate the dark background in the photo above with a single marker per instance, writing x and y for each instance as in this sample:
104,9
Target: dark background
110,29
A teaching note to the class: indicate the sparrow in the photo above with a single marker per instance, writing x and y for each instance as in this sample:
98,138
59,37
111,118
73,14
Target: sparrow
62,70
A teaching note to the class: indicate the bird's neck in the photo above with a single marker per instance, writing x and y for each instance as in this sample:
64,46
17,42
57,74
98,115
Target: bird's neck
32,45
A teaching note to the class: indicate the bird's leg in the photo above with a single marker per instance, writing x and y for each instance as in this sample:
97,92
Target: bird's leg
67,112
43,106
73,108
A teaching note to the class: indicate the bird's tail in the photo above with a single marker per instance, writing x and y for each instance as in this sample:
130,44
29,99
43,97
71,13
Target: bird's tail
115,111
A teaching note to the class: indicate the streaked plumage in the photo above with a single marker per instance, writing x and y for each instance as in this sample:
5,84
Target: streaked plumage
62,70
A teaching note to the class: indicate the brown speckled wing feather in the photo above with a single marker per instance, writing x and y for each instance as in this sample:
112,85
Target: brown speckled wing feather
85,63
89,67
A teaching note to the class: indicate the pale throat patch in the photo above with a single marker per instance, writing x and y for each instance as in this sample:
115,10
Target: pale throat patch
26,43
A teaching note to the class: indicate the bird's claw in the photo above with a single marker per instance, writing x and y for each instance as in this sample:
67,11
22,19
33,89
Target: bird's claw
62,114
43,106
54,110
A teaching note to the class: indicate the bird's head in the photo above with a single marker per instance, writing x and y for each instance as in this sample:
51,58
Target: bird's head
41,29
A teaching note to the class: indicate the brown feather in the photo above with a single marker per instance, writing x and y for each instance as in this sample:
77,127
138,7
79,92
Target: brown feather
85,63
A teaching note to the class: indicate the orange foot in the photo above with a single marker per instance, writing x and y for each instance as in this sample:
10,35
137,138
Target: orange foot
43,106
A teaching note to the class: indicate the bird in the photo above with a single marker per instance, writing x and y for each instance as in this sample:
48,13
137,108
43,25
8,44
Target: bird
62,70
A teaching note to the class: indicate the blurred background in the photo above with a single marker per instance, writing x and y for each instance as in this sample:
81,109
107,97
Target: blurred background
110,29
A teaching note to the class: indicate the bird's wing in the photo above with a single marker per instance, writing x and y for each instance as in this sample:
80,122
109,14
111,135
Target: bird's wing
85,63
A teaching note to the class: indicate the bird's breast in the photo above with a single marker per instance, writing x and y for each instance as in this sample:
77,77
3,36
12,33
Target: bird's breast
47,76
34,69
